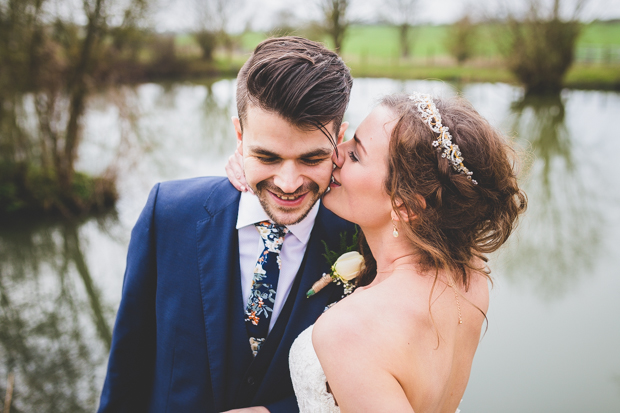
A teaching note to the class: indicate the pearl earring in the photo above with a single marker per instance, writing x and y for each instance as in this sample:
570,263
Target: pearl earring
395,231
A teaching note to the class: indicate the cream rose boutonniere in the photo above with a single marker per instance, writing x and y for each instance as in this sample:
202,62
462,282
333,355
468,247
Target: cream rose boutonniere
344,271
348,266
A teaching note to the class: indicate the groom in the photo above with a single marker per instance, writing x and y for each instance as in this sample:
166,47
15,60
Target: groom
214,290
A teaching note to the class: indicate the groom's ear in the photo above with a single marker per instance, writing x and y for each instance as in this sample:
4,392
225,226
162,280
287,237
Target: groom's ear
343,129
237,125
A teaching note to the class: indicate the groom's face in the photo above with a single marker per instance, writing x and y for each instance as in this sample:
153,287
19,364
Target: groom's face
287,168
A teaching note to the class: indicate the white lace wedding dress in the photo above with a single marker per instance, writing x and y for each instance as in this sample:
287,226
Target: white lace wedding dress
308,377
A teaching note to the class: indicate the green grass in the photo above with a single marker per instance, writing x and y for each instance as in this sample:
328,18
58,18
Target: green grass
185,39
594,77
600,34
372,51
448,73
381,41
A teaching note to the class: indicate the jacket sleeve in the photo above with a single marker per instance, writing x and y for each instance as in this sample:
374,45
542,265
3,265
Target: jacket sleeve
130,372
288,405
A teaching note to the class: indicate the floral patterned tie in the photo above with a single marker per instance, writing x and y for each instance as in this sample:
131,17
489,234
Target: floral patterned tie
264,284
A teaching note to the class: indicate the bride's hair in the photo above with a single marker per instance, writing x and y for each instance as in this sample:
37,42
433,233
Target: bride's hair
455,221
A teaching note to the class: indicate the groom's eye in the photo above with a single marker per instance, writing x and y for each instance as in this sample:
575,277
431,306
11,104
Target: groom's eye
268,159
312,161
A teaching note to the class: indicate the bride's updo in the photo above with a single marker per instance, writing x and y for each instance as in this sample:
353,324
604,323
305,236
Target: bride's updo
456,220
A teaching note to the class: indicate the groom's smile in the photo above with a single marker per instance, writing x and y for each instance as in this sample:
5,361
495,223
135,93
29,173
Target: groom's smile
288,168
295,205
288,200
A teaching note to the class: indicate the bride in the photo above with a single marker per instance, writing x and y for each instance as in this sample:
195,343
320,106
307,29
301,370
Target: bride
432,187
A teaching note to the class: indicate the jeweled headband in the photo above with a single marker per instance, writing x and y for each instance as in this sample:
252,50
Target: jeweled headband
431,116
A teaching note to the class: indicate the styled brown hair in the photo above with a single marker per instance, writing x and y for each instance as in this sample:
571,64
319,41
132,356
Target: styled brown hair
456,221
300,80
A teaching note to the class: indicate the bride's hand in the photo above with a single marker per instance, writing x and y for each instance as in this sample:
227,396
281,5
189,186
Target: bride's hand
255,409
234,171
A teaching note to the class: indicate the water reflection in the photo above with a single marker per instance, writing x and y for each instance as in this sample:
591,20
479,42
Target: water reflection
54,332
188,127
55,323
540,120
560,235
216,125
60,283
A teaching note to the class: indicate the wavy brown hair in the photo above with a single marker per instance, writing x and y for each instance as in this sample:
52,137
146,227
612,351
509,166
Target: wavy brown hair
456,221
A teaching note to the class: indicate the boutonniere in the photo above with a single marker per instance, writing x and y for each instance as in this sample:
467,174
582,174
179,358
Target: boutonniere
344,269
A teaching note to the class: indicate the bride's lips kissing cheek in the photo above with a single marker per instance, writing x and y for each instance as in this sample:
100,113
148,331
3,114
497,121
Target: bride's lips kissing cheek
357,188
334,183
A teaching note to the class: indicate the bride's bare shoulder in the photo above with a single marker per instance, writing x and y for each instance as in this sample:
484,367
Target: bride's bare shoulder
358,321
350,352
340,322
346,324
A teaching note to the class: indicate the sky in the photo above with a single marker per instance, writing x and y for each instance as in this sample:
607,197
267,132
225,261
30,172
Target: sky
179,15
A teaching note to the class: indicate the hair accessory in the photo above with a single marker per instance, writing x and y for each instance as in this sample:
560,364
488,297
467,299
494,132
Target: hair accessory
431,116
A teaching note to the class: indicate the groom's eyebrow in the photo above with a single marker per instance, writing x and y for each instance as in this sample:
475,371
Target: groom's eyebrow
357,140
263,152
316,153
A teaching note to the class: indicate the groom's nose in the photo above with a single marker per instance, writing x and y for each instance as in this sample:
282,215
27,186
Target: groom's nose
288,178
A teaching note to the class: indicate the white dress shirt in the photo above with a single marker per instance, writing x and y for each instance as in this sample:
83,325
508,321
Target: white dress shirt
251,246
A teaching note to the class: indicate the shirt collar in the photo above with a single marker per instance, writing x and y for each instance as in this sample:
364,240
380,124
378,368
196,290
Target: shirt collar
251,212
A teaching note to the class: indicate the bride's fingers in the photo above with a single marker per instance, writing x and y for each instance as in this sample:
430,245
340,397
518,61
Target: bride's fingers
234,172
240,172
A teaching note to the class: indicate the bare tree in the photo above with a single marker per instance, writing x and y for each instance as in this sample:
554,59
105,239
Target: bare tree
402,14
212,18
461,39
335,20
59,62
285,23
540,46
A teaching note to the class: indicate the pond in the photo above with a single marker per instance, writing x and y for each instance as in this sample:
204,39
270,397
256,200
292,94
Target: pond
553,335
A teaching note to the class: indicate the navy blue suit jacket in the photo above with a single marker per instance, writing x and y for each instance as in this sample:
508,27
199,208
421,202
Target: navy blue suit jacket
179,342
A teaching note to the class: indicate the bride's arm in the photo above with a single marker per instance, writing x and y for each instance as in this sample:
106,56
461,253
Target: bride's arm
352,362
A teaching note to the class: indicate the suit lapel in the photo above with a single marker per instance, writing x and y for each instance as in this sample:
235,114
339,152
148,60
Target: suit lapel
218,265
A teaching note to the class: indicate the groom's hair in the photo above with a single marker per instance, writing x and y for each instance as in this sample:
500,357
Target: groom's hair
302,81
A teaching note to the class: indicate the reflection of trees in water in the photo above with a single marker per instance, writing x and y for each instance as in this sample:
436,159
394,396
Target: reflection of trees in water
114,142
31,129
189,126
558,237
54,333
218,134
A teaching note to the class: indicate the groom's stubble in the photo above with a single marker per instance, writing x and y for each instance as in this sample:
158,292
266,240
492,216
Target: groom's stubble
275,212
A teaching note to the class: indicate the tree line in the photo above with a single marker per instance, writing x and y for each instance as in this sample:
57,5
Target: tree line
54,60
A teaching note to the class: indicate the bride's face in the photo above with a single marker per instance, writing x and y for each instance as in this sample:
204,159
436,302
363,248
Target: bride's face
358,193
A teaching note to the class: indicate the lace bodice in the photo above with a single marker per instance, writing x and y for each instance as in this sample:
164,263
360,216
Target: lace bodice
308,377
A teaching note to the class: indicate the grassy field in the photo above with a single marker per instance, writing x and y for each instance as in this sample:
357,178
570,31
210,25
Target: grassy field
600,34
382,41
373,51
